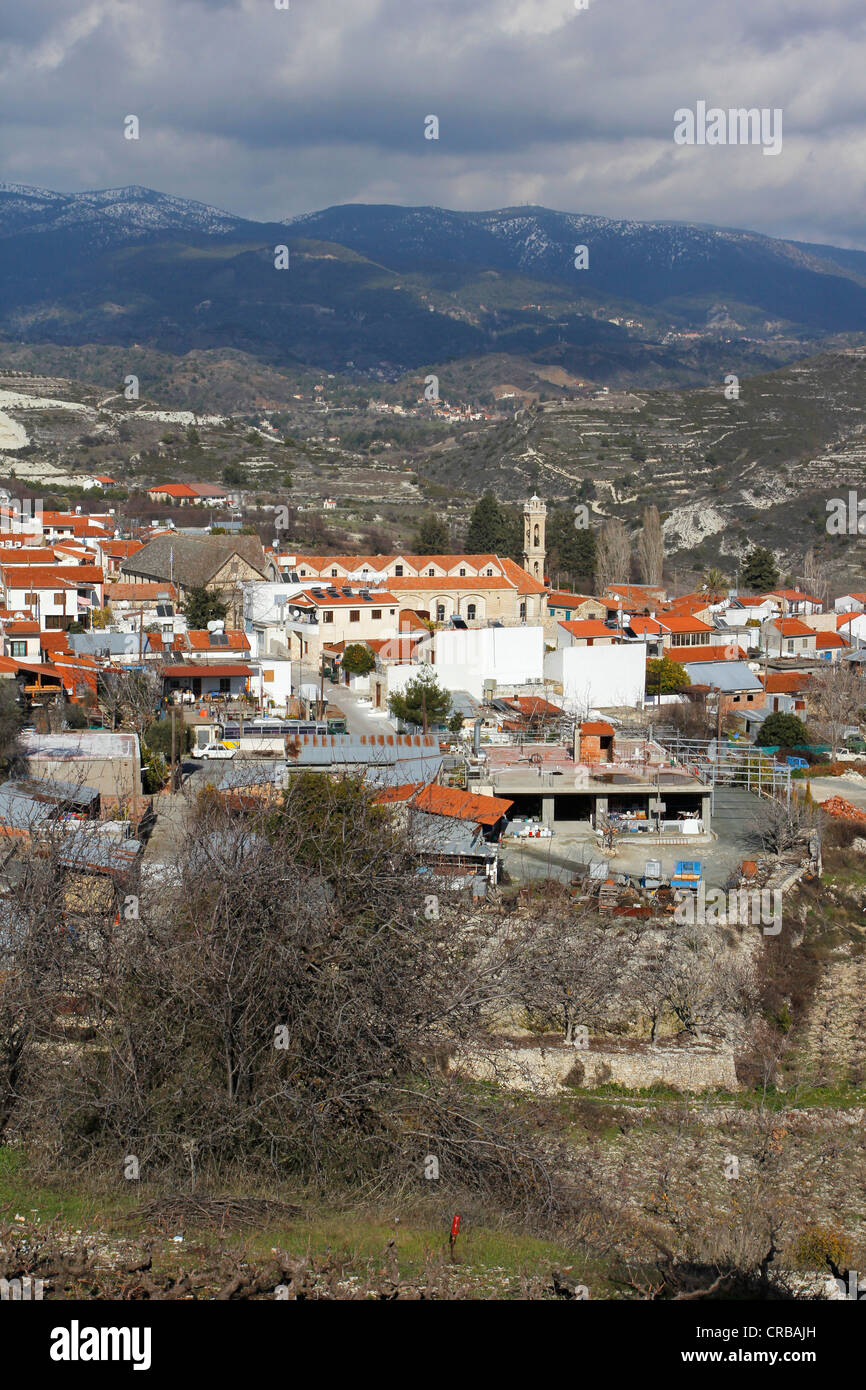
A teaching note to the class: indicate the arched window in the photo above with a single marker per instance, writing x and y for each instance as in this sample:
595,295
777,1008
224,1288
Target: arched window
470,611
440,612
537,534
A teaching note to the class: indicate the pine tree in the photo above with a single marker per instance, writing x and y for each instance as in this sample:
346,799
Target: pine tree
760,573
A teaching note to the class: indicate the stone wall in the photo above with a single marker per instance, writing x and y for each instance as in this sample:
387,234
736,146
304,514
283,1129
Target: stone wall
550,1070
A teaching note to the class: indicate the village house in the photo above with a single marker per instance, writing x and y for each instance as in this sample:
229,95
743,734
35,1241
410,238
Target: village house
57,595
221,564
788,637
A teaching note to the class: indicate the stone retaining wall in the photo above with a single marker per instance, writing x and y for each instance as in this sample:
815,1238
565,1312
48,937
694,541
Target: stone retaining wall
551,1070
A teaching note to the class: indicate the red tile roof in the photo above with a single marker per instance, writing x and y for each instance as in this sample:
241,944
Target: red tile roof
50,576
588,627
451,801
684,622
172,490
730,652
199,640
792,627
784,682
560,598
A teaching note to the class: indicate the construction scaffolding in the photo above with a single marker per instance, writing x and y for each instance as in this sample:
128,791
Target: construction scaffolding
726,765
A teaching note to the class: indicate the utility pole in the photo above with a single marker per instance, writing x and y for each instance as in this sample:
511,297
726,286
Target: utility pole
173,751
424,708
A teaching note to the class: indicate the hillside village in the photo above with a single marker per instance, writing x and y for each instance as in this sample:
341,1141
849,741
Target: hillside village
306,660
588,765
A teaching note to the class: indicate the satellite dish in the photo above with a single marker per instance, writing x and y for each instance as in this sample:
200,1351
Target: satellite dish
294,612
216,625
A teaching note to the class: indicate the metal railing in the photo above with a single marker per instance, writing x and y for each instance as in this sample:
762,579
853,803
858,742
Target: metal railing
725,765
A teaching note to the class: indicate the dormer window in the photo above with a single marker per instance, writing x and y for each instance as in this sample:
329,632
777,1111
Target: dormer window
398,570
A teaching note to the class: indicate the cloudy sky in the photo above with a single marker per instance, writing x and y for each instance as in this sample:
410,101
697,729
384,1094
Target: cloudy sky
270,112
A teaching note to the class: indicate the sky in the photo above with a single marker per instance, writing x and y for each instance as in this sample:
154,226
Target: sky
271,112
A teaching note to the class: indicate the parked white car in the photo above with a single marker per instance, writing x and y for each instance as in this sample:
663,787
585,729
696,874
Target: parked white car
214,750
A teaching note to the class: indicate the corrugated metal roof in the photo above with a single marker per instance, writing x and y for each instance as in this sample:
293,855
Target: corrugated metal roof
724,675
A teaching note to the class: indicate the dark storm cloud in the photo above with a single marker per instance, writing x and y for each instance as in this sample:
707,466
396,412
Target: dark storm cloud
271,112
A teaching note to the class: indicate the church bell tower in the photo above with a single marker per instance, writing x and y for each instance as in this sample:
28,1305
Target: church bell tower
534,549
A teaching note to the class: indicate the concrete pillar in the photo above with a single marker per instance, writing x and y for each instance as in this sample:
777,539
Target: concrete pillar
706,813
547,811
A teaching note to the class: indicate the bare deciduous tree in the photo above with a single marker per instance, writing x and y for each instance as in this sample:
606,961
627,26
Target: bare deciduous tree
613,555
651,548
784,825
837,697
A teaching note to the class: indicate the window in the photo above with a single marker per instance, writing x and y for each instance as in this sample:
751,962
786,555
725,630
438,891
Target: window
470,612
462,572
523,612
489,571
58,599
19,649
440,612
431,572
328,615
376,613
790,644
354,615
225,685
268,675
398,570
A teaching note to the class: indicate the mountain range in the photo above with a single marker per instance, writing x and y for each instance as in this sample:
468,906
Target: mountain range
379,291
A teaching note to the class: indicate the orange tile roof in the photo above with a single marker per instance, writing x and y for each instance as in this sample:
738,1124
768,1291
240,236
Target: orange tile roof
644,625
451,801
172,490
827,640
596,727
588,627
199,640
682,622
21,629
121,549
560,598
450,581
118,590
27,555
792,627
784,682
378,597
730,652
47,576
533,704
